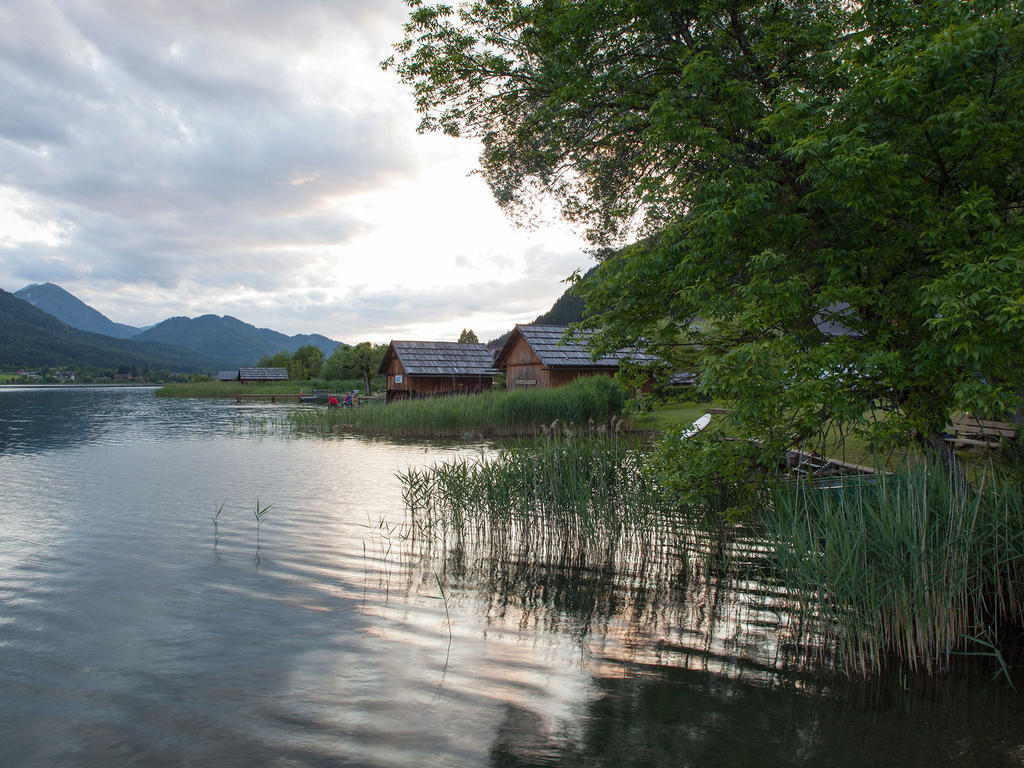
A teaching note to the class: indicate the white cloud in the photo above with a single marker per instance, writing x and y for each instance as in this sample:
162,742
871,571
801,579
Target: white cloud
249,158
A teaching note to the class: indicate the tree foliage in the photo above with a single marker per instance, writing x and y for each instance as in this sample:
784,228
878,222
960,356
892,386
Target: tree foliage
307,362
468,337
823,198
359,360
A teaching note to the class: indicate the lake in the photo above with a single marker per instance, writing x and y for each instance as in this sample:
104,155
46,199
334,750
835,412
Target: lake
134,630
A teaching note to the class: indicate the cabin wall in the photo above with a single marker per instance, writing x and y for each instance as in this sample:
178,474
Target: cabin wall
561,376
523,368
526,376
432,386
530,376
396,390
435,386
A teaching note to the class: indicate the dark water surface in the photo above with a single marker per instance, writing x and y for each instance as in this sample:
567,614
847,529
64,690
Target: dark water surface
132,632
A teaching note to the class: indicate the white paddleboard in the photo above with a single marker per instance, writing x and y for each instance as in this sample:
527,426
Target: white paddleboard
697,426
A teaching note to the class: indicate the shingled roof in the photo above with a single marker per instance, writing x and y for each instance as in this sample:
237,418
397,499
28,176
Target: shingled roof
263,374
546,342
440,358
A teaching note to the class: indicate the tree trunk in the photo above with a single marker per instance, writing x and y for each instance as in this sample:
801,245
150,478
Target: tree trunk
937,446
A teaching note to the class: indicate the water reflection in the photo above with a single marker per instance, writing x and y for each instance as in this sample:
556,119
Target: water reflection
663,595
658,716
680,635
133,632
58,417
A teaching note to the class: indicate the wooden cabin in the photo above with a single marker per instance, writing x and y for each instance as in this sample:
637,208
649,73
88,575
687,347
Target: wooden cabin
536,356
433,368
246,375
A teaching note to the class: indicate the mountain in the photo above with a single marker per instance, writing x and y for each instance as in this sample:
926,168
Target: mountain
229,340
31,338
568,308
73,311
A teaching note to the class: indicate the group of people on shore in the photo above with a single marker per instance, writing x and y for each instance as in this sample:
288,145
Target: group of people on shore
350,400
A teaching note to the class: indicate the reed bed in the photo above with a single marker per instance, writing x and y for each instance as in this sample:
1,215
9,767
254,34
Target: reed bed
587,483
906,572
488,414
919,567
571,532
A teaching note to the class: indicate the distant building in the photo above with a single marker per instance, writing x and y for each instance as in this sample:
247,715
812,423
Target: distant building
536,356
246,375
227,375
431,368
66,376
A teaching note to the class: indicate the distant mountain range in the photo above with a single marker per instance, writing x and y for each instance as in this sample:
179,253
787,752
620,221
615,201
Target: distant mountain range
219,342
31,338
51,327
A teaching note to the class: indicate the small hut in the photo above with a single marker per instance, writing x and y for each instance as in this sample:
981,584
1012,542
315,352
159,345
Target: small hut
247,375
536,356
432,368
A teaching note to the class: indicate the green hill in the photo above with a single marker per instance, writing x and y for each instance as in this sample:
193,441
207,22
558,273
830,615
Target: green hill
228,340
32,338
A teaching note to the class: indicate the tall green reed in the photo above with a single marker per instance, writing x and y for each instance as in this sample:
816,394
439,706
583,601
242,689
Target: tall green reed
492,413
915,568
573,482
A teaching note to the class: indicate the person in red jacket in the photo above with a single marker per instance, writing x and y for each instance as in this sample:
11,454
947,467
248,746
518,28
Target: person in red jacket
332,401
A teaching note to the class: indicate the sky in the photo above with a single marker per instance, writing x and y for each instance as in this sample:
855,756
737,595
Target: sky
251,158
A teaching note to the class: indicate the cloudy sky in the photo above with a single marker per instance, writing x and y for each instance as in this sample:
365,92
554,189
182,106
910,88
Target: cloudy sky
250,158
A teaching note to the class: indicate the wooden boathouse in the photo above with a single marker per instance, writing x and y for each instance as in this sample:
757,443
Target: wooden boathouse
434,368
536,356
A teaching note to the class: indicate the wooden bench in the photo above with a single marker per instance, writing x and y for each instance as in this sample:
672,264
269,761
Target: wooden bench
967,431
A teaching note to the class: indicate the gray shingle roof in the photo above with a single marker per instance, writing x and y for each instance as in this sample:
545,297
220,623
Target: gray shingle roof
546,342
263,374
440,358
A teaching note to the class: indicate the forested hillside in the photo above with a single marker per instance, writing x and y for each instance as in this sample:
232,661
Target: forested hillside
228,340
32,338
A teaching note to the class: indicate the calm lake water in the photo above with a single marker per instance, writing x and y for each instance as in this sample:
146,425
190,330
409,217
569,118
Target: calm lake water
134,631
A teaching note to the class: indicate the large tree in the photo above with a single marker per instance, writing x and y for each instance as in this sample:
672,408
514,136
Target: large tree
821,199
359,360
307,362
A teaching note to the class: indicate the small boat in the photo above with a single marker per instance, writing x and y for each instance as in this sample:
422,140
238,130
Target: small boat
697,426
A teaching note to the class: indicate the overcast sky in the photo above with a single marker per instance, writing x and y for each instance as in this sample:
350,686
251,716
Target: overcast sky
250,158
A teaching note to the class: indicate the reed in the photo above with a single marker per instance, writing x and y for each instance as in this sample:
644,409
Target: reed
919,567
574,483
259,513
495,413
216,520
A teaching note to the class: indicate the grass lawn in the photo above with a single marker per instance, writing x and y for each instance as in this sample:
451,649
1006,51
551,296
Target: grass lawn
852,449
674,414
